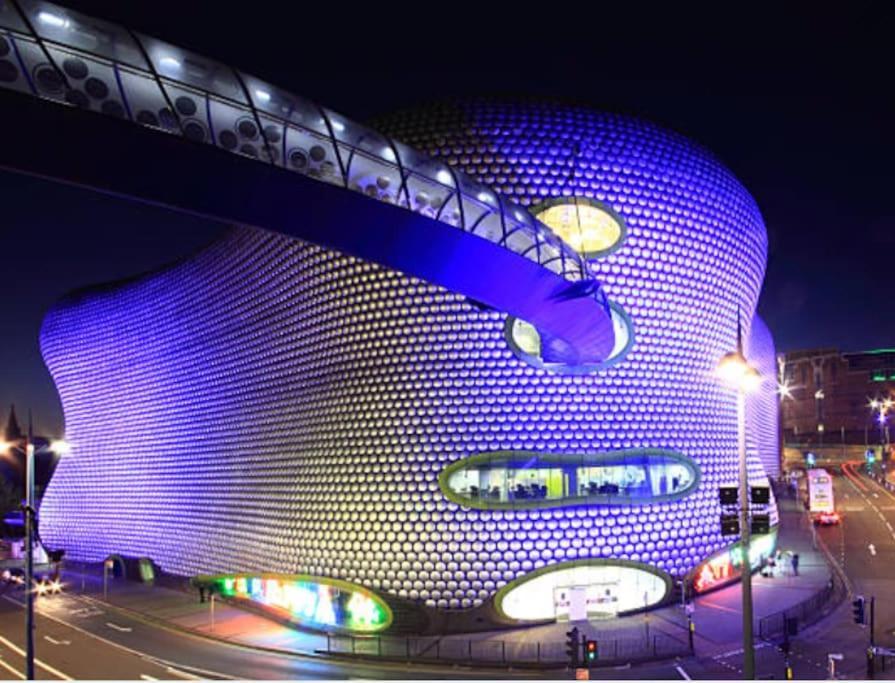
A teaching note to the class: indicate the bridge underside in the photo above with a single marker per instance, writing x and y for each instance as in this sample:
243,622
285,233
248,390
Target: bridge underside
72,146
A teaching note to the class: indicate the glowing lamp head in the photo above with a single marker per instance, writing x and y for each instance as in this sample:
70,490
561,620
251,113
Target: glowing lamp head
751,380
60,446
54,20
170,63
5,446
735,372
784,390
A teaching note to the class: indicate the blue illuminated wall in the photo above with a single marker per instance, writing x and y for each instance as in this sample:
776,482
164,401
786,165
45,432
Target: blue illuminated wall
269,406
763,407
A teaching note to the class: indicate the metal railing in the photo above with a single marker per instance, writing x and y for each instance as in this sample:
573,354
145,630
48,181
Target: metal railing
805,613
57,54
490,652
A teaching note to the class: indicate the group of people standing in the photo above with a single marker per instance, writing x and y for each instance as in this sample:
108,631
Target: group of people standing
781,564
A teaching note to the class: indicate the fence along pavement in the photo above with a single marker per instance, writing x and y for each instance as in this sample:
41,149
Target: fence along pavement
502,652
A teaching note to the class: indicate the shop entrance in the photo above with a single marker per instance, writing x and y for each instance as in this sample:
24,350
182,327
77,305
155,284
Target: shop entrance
578,603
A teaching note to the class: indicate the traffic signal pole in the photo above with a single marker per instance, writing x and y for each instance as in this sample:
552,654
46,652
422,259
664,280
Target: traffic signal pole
870,667
746,580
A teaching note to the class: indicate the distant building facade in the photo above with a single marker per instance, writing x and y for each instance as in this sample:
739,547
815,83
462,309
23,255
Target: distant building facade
831,395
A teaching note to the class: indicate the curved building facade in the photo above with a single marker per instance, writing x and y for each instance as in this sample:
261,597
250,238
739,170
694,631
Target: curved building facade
268,405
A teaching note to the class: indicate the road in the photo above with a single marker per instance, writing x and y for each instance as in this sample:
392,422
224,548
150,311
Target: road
863,546
80,639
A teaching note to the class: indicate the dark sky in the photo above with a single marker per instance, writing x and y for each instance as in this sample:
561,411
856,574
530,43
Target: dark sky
796,101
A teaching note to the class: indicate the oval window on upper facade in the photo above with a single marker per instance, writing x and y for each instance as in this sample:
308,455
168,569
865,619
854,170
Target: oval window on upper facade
588,226
523,479
525,342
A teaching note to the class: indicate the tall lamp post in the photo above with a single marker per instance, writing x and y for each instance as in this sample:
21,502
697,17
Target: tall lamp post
735,372
29,452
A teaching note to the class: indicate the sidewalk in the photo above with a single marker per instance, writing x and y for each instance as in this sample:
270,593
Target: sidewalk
651,635
718,614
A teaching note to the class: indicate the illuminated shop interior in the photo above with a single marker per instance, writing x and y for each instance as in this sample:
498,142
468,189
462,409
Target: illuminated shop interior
508,479
583,590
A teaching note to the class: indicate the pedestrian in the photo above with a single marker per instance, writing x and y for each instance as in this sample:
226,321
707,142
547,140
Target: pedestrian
795,564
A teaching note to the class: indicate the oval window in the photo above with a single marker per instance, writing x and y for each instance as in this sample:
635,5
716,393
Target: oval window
525,342
581,589
522,479
588,226
313,601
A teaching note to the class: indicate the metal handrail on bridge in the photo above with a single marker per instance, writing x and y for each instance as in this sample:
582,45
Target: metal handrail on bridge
61,55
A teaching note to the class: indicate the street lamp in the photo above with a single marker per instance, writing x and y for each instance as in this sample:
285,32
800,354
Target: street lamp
882,406
29,452
735,371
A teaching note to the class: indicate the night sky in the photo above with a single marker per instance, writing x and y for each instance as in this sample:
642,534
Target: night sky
797,103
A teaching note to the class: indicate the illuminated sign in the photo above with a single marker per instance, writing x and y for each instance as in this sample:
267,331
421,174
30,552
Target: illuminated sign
727,565
317,602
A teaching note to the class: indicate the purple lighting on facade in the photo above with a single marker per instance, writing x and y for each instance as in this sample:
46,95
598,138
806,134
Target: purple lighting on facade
271,406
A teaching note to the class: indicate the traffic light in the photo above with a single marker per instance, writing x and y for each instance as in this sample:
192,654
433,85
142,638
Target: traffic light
730,525
760,495
573,646
728,495
857,607
590,652
761,524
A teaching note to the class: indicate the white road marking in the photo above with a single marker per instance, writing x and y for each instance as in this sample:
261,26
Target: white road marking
87,612
146,677
872,549
142,655
182,674
683,673
51,639
123,629
11,669
42,665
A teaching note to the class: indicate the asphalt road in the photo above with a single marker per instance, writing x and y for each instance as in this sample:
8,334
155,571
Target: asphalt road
863,546
80,638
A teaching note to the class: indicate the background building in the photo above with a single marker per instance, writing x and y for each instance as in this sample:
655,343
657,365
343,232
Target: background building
831,393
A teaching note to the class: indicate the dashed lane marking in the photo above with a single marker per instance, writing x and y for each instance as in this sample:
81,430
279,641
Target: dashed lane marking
141,655
123,629
51,639
683,673
43,665
12,670
717,606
